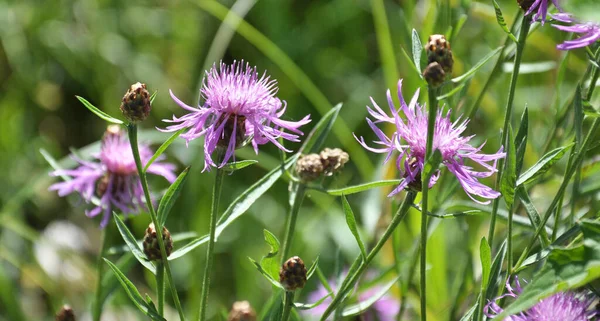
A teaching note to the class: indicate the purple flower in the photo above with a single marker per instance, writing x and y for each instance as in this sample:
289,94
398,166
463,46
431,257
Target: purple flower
563,306
410,139
385,309
590,32
541,9
238,106
114,179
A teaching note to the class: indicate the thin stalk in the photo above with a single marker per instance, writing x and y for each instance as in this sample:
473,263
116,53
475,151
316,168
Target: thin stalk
525,25
509,244
288,301
433,106
291,221
133,141
568,175
160,287
359,266
210,251
97,310
411,273
398,265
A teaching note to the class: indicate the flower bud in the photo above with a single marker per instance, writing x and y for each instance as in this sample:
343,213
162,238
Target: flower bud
525,4
333,160
293,274
434,74
438,50
135,105
237,121
242,311
309,167
151,247
65,314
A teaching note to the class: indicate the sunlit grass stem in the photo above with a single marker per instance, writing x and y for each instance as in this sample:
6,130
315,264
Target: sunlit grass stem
291,221
160,287
132,132
525,25
288,302
97,309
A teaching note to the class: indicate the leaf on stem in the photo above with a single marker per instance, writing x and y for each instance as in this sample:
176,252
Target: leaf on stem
163,148
509,176
475,68
133,244
266,274
362,187
485,254
234,166
542,165
315,139
501,22
171,196
98,112
360,307
351,221
417,50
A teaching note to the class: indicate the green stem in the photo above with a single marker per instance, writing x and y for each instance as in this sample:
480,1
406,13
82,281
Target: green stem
568,175
359,266
133,141
288,302
291,221
411,273
210,251
160,287
97,310
525,25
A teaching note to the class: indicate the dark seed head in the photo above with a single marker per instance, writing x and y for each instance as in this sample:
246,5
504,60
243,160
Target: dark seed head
65,314
333,160
151,246
525,4
309,167
438,50
135,105
237,121
293,274
434,74
242,311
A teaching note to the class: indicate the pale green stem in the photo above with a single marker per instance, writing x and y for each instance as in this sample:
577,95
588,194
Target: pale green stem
359,266
288,302
160,287
291,221
216,195
133,141
525,25
97,310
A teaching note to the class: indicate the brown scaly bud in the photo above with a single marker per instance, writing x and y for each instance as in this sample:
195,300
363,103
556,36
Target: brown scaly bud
65,314
242,311
135,105
293,274
237,121
309,167
151,247
333,160
525,4
438,50
434,74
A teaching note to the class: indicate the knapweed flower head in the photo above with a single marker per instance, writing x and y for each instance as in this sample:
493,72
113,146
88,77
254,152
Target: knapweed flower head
540,7
589,31
562,306
384,309
239,105
112,177
410,138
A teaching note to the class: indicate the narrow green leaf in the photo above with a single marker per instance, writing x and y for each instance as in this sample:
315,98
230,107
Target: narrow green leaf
521,139
532,212
234,166
361,307
308,306
417,49
485,254
452,92
362,187
351,221
98,112
163,148
239,206
312,268
265,274
410,61
578,115
153,96
495,279
469,315
565,269
543,165
177,237
133,293
273,242
270,262
171,196
133,245
509,176
110,281
315,139
480,64
501,22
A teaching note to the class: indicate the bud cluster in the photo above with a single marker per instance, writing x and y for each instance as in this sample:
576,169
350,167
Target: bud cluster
293,274
329,161
151,246
439,59
135,105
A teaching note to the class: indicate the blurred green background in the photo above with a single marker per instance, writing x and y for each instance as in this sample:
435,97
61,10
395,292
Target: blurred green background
321,53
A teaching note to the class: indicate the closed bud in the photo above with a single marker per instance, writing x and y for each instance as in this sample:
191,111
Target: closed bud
333,160
65,314
135,105
151,246
309,167
434,74
438,50
241,311
293,274
525,4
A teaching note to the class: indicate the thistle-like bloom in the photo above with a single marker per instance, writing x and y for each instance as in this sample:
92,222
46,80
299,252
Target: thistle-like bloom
540,7
238,106
562,306
410,138
385,309
590,32
113,178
